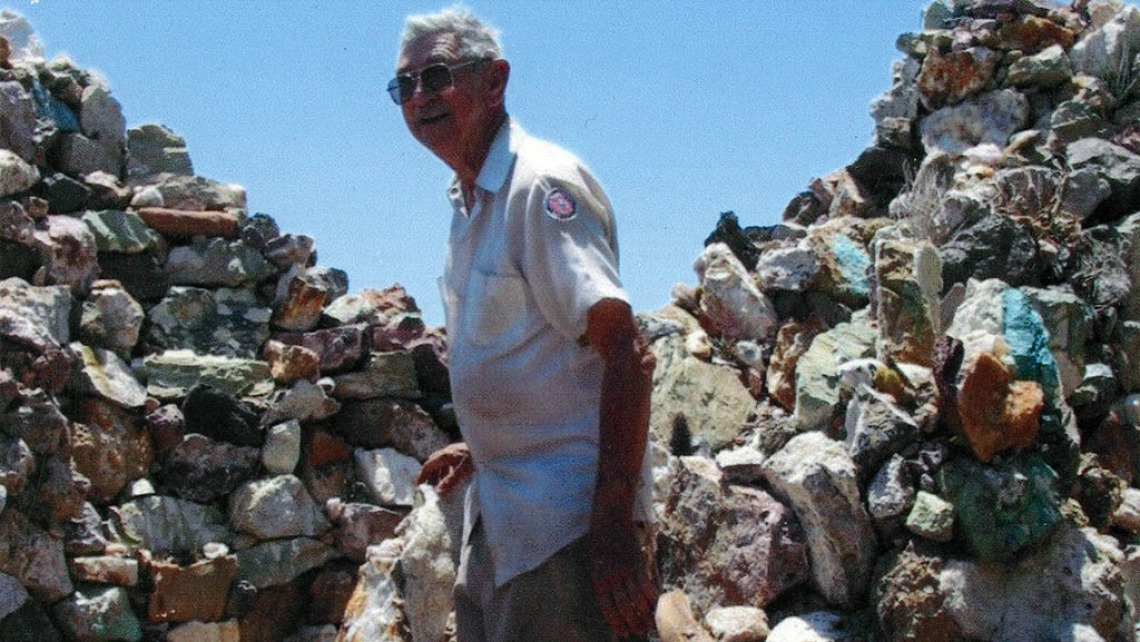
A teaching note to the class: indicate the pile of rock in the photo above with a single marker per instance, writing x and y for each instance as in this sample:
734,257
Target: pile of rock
910,411
201,431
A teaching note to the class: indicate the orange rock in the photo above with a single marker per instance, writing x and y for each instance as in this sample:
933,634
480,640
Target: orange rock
290,363
186,223
997,412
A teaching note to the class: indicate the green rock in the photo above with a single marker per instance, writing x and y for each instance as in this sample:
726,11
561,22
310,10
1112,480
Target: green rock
1001,509
817,372
171,374
122,232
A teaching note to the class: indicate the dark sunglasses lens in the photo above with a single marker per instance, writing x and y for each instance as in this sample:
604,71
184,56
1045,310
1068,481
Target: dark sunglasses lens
401,88
436,78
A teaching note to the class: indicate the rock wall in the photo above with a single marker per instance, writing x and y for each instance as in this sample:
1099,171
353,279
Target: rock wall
910,411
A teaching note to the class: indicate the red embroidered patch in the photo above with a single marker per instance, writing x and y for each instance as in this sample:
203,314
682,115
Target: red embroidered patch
560,205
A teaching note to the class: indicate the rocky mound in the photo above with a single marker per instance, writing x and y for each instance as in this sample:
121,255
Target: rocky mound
910,411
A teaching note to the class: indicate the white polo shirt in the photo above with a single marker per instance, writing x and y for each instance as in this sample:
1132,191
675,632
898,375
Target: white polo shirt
523,267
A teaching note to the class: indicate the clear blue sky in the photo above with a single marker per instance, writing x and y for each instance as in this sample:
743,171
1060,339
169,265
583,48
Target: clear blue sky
682,109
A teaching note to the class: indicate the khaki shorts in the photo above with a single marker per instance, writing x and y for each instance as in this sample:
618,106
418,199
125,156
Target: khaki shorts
552,603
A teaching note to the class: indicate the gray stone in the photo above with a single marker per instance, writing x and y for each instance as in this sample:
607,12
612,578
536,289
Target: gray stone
724,544
275,508
1070,588
1129,230
360,525
282,449
216,262
909,279
97,614
790,268
169,525
16,175
122,232
1107,50
816,476
1115,164
33,556
77,155
1084,192
111,318
388,475
67,250
197,194
104,373
1048,68
225,321
171,374
101,117
17,463
154,149
281,561
17,122
227,631
876,428
304,401
384,374
48,307
12,595
890,495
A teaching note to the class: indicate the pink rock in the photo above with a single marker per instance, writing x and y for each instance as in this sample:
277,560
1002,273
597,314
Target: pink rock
182,223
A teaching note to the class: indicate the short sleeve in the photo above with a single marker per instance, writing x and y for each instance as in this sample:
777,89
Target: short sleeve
570,258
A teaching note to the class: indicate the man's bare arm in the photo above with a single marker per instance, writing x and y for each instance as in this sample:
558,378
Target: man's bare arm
622,582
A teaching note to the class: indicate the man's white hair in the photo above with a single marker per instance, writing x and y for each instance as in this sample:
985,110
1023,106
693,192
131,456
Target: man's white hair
476,39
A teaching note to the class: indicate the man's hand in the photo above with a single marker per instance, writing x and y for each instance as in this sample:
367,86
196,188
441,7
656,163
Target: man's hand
622,582
447,468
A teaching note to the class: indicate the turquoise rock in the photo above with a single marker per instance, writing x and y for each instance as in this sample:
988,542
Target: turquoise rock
1004,508
1028,341
853,262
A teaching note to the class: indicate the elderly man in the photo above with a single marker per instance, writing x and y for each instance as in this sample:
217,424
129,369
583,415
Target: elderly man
550,378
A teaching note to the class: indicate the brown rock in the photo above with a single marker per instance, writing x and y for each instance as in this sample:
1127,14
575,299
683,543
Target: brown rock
1031,35
329,593
360,525
275,614
291,363
792,340
183,223
949,78
196,592
998,413
300,309
909,602
109,448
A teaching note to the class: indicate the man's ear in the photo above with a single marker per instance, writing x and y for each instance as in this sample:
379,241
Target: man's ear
496,80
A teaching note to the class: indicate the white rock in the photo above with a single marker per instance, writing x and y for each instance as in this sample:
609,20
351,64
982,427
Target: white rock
282,449
15,175
389,475
738,624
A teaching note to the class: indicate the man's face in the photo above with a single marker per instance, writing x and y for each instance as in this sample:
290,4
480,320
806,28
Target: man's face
448,122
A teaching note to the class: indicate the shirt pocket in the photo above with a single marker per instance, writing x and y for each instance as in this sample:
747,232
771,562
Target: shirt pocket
497,310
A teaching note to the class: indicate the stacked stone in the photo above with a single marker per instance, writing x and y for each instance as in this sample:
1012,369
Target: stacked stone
910,410
201,430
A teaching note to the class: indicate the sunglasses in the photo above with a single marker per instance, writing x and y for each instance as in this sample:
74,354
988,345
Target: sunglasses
433,78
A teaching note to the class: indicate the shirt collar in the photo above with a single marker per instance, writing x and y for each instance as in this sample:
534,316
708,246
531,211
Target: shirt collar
500,157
